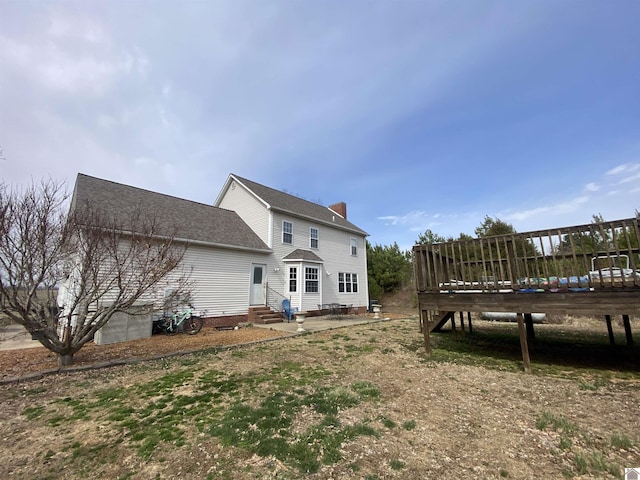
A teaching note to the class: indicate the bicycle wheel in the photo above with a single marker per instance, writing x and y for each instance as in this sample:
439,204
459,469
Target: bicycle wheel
170,326
164,324
192,325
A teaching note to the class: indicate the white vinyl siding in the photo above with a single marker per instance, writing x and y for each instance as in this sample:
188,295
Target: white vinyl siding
250,209
222,279
334,250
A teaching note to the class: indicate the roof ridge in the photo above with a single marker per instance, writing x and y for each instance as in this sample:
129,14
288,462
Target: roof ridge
279,191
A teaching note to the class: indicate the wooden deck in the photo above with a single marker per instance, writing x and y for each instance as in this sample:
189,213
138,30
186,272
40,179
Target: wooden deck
589,269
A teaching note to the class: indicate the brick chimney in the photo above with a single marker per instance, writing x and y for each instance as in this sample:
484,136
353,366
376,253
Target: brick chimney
340,208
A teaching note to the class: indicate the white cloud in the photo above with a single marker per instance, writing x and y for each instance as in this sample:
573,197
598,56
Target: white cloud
592,187
166,89
631,178
559,208
72,56
107,121
408,218
69,26
625,167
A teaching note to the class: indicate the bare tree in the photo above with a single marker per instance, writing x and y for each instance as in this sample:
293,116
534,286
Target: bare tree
101,264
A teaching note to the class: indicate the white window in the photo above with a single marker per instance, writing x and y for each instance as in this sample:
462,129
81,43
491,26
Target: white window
313,237
287,232
311,281
293,279
354,246
347,282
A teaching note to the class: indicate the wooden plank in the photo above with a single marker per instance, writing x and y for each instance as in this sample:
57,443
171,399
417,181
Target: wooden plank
523,344
600,302
426,333
612,340
627,330
446,316
528,320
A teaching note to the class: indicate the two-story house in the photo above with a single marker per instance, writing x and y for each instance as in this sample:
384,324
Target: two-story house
318,256
254,247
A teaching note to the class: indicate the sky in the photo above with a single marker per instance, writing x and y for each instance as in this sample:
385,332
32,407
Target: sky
418,114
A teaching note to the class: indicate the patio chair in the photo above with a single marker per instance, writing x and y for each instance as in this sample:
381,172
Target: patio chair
287,310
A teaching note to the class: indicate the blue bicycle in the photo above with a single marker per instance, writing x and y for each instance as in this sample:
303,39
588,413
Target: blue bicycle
170,324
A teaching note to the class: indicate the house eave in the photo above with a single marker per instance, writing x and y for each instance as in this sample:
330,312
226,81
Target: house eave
303,260
321,222
223,245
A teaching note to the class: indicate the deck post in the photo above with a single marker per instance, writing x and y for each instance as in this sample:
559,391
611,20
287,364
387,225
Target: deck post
612,340
453,325
462,322
627,330
469,320
425,333
523,343
528,320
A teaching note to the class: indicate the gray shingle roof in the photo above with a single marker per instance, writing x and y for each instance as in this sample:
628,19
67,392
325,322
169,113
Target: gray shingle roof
287,203
194,221
299,254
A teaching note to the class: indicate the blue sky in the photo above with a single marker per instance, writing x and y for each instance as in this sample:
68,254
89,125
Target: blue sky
417,114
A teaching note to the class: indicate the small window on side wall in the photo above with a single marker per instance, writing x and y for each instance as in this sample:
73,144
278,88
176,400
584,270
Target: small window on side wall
287,232
293,279
354,247
313,237
347,282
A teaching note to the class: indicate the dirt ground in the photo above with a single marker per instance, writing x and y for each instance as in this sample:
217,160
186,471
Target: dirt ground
469,421
25,361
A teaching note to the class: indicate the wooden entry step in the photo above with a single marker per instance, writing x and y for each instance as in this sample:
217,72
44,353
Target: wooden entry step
264,315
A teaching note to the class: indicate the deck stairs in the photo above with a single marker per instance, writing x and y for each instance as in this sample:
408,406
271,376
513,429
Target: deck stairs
264,315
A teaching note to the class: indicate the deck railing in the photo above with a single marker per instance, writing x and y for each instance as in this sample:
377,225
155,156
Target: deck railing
603,255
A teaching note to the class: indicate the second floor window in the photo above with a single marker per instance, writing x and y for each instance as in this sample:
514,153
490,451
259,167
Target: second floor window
354,247
313,237
287,232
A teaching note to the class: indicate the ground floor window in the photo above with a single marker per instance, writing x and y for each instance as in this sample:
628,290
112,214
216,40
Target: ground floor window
293,279
347,282
311,280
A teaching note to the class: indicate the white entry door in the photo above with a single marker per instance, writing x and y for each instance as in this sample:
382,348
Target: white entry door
258,273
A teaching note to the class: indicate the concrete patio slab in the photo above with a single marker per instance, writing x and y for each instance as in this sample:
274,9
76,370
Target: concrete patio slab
315,324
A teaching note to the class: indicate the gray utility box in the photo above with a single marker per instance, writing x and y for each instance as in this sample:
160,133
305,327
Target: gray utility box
125,326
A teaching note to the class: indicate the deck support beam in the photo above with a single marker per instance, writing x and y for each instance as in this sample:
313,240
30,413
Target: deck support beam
426,332
627,330
612,340
528,320
524,346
